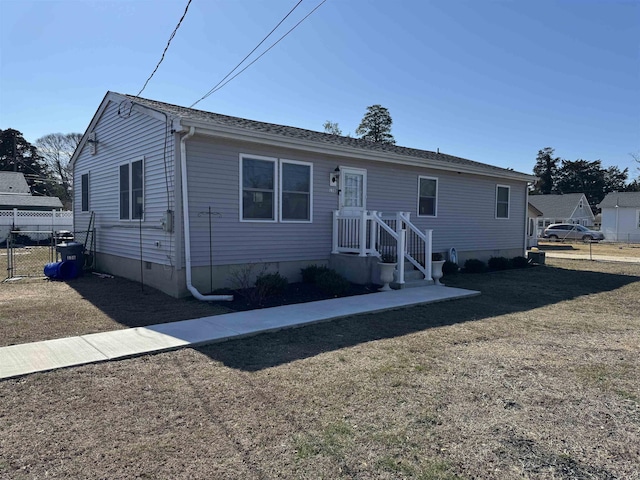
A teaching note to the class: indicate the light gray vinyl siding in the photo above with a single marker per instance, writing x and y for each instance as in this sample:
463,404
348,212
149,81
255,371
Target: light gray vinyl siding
123,139
465,210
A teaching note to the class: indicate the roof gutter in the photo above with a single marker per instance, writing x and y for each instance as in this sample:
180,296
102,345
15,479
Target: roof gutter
187,228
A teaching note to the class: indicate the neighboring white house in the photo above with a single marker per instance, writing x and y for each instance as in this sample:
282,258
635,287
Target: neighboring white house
621,217
19,209
189,197
563,208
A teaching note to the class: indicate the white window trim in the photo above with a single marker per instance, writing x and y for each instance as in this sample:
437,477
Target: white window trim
435,213
275,189
508,187
130,163
88,174
281,182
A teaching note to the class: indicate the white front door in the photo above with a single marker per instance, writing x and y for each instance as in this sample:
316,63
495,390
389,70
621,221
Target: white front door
353,189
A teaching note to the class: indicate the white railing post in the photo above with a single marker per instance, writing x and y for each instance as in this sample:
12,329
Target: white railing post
372,234
15,217
334,240
398,222
362,241
427,253
400,251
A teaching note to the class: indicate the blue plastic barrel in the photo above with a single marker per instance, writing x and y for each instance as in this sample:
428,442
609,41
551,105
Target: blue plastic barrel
61,270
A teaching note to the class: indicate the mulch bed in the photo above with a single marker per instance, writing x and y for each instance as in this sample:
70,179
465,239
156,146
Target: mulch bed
294,293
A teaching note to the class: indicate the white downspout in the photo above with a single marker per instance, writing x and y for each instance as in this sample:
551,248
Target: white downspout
187,228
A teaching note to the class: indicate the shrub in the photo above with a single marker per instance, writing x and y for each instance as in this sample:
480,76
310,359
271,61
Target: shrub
519,262
499,263
436,257
271,284
332,283
310,273
449,268
473,265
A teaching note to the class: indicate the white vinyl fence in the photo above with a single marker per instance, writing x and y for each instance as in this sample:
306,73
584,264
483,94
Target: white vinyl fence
34,221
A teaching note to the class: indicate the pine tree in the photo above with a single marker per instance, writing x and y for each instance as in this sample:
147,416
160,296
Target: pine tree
376,125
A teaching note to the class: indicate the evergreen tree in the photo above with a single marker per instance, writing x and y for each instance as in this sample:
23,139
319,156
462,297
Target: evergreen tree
376,125
546,169
18,155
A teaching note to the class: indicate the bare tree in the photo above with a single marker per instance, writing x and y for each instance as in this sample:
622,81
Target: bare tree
57,149
332,127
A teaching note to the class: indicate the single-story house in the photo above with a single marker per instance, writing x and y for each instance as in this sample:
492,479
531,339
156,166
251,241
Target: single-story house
15,193
562,208
185,199
621,216
19,209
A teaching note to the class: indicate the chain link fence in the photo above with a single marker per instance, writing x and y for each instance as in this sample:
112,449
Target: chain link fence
27,252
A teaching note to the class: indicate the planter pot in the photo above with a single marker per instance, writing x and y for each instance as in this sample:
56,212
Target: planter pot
436,271
386,275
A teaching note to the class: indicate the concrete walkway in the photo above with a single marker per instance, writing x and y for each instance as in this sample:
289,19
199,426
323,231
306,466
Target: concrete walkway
16,360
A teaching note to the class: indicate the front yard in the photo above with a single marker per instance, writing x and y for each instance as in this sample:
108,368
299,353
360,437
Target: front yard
539,377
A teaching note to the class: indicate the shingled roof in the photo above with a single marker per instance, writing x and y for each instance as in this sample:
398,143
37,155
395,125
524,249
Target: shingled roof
320,138
13,182
556,206
621,199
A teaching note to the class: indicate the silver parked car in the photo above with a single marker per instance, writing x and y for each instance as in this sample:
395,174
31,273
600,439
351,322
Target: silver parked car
569,231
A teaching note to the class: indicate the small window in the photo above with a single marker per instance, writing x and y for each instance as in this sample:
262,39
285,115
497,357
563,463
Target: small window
85,192
132,190
502,201
427,196
258,183
295,196
638,223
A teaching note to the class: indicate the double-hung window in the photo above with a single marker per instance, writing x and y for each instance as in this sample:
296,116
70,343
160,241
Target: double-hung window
258,180
295,194
502,201
132,190
85,192
274,189
427,196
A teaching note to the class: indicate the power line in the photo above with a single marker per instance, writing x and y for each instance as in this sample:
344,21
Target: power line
219,85
249,54
173,34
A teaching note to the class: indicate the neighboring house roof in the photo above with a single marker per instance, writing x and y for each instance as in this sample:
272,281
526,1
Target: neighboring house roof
621,199
557,206
20,201
15,193
533,210
293,137
13,182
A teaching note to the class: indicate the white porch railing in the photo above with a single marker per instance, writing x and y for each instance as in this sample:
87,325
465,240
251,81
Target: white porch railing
372,233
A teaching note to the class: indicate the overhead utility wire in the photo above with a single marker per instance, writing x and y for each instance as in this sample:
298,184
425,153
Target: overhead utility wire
218,87
173,34
248,55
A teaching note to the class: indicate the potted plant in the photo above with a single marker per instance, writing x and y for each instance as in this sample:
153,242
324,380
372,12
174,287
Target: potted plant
387,267
437,261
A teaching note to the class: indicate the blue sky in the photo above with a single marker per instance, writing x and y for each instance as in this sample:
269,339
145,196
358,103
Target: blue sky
493,81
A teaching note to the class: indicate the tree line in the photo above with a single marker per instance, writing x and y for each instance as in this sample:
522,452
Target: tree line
558,176
45,165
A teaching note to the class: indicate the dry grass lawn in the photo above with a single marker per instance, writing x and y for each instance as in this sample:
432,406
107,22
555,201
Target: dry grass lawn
539,377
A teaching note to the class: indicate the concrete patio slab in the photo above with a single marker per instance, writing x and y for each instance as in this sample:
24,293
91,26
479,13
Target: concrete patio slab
28,358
